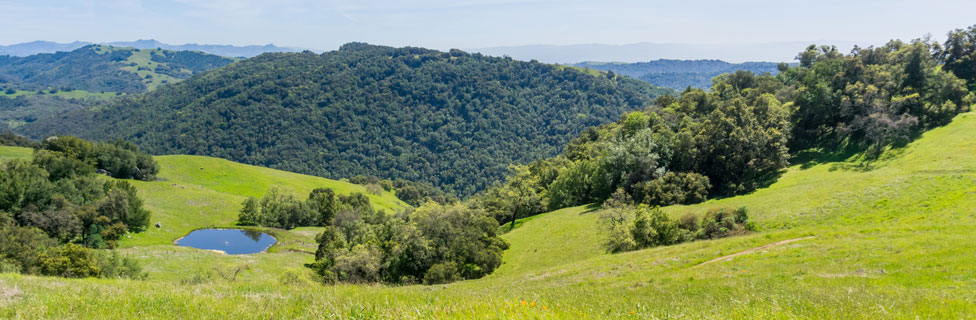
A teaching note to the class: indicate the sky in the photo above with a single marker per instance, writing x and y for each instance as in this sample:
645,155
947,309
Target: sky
445,24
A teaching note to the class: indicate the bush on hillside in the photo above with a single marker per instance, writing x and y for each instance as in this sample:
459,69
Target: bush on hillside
629,228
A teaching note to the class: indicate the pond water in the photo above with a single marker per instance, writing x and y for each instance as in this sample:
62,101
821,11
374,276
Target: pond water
231,241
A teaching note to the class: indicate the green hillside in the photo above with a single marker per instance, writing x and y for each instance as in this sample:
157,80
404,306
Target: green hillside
46,85
453,119
843,239
104,69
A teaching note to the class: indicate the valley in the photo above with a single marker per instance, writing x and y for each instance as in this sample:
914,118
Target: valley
888,242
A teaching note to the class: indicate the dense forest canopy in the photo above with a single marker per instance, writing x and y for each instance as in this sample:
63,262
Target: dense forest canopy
452,119
740,134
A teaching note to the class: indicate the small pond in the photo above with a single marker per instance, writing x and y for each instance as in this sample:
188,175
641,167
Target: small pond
231,241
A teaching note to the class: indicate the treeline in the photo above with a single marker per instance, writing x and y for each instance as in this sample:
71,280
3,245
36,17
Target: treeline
54,210
410,192
739,135
278,210
451,119
432,244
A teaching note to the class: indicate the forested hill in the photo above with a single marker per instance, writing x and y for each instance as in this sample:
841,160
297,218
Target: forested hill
99,68
679,74
453,119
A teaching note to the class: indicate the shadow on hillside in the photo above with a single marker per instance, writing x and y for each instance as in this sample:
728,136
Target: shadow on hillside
591,207
807,159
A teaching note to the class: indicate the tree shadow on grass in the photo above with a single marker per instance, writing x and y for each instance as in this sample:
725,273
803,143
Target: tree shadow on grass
811,157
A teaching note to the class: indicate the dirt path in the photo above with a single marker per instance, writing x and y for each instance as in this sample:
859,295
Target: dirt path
729,257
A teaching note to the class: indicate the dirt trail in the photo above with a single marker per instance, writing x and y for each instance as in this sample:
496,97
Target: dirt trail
728,257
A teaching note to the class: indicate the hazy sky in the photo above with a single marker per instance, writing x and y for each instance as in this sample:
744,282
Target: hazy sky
443,24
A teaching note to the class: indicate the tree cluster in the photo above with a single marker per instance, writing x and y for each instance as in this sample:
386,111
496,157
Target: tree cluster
280,210
871,98
29,250
432,244
727,141
54,211
740,134
66,155
628,228
410,192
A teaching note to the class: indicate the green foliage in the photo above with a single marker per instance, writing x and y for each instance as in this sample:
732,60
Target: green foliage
725,222
279,210
873,97
673,188
10,139
652,227
627,228
444,272
435,243
413,193
20,245
727,141
74,261
959,54
97,68
59,194
454,120
76,156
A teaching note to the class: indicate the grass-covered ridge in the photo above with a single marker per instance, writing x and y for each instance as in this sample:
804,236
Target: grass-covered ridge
891,239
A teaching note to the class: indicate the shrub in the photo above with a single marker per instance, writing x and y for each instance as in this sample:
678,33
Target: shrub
652,227
673,188
720,223
444,272
69,260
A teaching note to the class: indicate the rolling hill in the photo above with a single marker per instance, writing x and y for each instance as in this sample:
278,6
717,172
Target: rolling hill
99,68
839,239
453,119
44,85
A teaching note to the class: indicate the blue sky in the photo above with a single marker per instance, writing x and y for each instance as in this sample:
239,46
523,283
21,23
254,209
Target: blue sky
444,24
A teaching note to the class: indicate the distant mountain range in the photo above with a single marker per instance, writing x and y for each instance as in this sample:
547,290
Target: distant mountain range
35,47
636,52
679,74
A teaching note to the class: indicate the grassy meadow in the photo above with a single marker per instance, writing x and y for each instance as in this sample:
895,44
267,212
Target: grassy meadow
886,239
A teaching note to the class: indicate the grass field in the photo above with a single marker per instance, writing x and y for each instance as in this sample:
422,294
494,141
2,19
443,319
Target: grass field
890,239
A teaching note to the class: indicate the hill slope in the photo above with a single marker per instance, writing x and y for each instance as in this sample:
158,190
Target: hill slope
890,239
453,119
98,68
196,192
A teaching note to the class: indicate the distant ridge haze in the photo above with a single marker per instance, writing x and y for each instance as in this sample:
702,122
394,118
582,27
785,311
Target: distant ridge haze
562,54
645,51
36,47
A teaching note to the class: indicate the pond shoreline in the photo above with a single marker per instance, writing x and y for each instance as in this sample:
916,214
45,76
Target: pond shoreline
274,240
